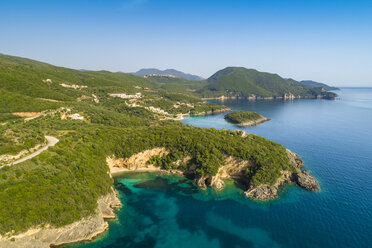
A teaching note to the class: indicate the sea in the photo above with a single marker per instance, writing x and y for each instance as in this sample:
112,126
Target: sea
333,138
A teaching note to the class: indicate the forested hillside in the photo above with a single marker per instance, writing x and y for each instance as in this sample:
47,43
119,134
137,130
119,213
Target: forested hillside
96,114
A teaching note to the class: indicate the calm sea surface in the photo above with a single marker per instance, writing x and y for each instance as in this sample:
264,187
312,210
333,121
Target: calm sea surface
334,138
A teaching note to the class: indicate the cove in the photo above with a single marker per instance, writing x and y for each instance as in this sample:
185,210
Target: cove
334,138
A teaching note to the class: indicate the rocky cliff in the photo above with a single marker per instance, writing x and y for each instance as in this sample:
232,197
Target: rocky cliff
233,168
252,123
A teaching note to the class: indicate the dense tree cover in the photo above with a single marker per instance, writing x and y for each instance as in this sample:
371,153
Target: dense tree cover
207,147
18,136
57,187
13,102
180,85
207,108
28,85
242,82
62,185
239,117
7,117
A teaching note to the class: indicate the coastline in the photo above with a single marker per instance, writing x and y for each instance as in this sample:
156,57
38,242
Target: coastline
86,229
89,228
115,171
257,98
250,123
232,169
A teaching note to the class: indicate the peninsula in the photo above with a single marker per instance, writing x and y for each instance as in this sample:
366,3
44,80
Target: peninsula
107,123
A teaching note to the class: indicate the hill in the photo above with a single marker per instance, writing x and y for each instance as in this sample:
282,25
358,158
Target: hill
27,85
249,83
168,72
99,116
316,84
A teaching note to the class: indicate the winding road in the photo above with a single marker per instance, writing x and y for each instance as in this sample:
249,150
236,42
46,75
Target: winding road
51,142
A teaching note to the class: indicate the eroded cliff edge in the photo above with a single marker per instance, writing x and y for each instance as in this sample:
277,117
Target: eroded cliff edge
300,177
83,230
233,168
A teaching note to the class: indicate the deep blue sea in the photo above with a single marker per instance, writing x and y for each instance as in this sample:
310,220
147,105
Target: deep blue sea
334,138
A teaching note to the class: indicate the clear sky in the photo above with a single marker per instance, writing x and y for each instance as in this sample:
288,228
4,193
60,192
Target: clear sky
324,40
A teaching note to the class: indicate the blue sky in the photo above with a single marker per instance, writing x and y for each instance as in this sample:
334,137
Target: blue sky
328,41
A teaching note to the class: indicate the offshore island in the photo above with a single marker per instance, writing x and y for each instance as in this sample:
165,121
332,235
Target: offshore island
108,123
245,118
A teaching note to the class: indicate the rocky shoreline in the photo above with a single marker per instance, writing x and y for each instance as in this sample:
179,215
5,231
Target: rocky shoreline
89,228
83,230
298,177
251,123
253,97
233,169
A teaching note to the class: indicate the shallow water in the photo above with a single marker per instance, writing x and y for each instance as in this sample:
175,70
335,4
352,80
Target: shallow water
334,138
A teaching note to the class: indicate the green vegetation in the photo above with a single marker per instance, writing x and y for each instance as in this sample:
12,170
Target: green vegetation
180,85
239,117
242,82
17,137
62,184
57,187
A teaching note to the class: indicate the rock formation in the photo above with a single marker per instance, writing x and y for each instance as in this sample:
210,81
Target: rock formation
299,177
233,168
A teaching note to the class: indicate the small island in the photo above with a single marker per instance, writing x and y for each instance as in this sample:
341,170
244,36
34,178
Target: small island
245,118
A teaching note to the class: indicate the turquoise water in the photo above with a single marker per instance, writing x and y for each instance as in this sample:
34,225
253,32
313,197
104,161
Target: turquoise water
334,138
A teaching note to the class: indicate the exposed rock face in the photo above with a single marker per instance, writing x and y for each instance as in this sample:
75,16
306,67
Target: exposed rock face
216,182
83,230
138,160
253,123
233,168
295,159
267,192
262,192
201,182
299,177
302,178
307,181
